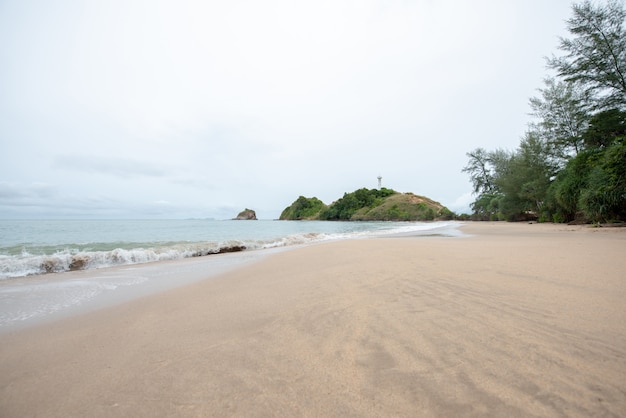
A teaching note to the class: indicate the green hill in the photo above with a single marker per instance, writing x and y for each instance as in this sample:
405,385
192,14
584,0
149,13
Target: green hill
304,208
368,205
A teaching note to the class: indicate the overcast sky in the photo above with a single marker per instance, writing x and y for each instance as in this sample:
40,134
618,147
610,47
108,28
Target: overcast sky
176,109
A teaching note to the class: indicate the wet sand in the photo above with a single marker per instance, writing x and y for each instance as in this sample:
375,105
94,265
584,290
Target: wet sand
511,320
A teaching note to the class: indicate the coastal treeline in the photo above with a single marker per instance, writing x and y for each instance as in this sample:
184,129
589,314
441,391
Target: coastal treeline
571,163
368,205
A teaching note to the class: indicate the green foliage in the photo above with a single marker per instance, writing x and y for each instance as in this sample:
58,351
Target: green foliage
350,203
395,213
303,208
405,207
565,189
604,127
595,56
446,214
562,117
486,207
525,183
369,205
480,170
429,214
604,197
571,164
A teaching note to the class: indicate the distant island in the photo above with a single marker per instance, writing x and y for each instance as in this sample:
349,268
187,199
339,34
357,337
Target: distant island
246,215
368,205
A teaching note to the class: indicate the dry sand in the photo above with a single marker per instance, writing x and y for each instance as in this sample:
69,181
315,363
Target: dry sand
514,320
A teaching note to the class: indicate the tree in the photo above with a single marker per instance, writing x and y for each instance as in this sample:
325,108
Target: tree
524,185
562,117
303,208
604,127
479,171
350,203
564,192
592,186
485,169
486,207
595,57
571,165
604,198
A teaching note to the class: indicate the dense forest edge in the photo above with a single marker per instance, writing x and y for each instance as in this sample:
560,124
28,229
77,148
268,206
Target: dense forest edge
570,165
368,205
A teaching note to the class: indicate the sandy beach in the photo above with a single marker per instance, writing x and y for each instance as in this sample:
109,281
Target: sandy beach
510,320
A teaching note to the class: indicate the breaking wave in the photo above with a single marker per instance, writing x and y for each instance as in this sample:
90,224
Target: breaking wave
71,259
20,262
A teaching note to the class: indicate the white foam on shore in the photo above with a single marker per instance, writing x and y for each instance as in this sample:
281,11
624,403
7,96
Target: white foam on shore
70,259
38,298
32,300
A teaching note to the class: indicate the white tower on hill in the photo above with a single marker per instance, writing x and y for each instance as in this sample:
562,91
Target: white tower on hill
380,180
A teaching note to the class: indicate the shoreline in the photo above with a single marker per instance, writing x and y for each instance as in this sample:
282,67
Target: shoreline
42,298
512,319
53,254
71,293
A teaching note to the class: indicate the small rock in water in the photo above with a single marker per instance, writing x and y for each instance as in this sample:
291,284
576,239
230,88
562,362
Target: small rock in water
246,215
79,262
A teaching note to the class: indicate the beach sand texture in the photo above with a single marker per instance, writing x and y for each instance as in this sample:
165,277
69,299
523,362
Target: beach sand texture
512,320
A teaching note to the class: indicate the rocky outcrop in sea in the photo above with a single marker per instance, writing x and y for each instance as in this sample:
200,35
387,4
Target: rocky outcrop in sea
246,215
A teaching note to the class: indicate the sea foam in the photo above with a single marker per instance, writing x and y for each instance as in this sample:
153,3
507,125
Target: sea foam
31,291
26,264
36,260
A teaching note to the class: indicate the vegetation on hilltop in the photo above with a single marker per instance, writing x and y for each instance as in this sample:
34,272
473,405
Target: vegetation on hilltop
304,208
571,163
350,203
404,207
368,205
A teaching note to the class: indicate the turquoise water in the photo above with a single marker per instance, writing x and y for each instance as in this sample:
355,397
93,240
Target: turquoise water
29,249
32,247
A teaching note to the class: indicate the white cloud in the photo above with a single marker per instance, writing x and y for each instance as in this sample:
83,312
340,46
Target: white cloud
462,203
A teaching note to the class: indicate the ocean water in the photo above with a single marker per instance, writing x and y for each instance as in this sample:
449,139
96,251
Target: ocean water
52,267
35,247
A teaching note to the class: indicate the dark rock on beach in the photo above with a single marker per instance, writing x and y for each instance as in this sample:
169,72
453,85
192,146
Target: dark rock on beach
231,249
221,250
79,263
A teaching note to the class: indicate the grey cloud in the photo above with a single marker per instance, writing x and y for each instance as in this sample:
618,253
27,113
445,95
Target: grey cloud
121,167
201,183
44,201
27,199
14,192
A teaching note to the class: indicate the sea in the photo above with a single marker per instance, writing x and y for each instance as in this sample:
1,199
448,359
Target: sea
52,268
